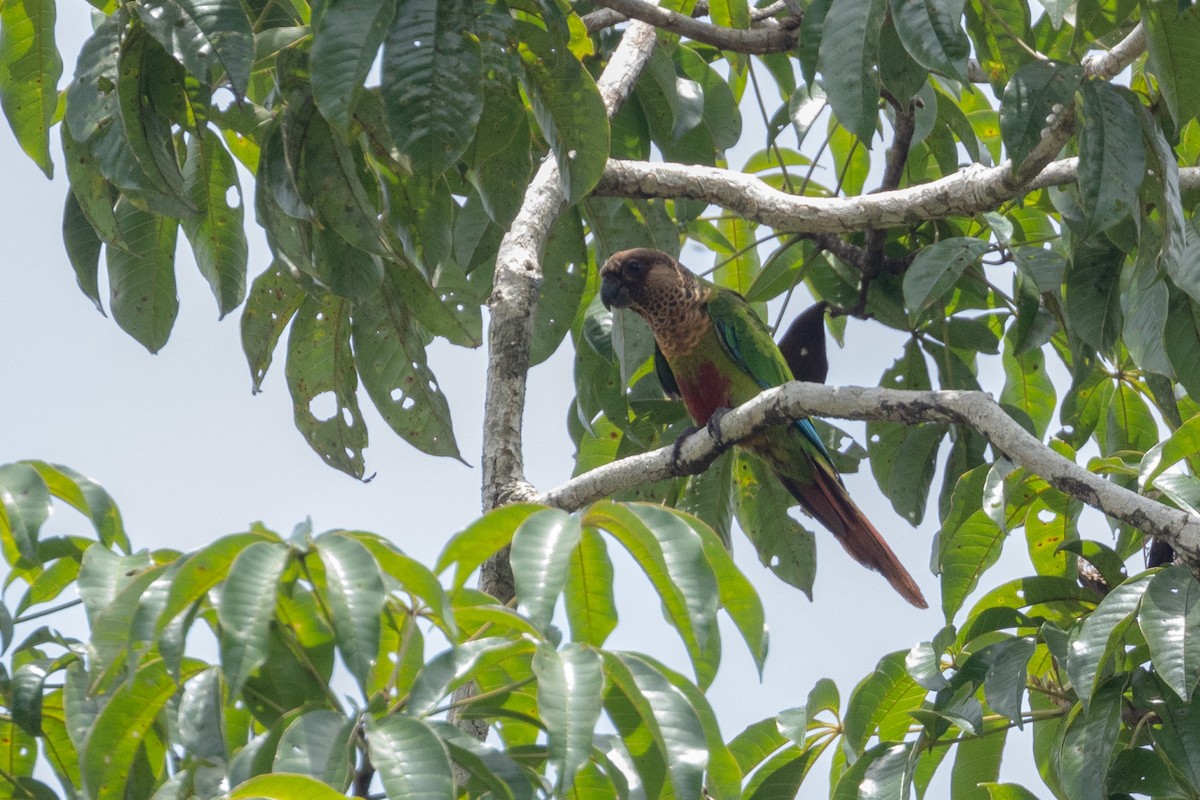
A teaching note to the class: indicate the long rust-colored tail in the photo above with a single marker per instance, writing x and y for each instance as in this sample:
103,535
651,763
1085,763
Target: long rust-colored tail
826,500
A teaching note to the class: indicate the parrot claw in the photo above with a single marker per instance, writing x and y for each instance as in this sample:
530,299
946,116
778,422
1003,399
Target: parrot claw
677,467
714,429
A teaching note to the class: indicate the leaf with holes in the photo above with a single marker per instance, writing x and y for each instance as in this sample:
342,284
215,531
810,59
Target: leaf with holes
216,232
390,353
273,301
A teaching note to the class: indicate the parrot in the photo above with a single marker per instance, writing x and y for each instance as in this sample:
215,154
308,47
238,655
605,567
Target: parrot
713,352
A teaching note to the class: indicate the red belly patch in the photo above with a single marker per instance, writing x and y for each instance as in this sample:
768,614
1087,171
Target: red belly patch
705,393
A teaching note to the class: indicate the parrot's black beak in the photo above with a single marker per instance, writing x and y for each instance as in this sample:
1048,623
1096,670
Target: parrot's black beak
613,293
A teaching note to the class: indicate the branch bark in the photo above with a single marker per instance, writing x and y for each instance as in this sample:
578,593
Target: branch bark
515,293
973,409
770,37
973,189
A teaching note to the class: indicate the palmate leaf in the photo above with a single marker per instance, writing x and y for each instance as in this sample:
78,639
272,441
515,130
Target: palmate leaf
30,67
432,79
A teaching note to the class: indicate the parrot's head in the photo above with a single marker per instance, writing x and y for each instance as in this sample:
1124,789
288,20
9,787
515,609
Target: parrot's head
644,280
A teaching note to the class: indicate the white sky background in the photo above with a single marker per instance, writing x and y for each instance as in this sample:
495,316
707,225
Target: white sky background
190,454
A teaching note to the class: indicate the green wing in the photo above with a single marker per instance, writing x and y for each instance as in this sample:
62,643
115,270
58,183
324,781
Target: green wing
665,376
748,342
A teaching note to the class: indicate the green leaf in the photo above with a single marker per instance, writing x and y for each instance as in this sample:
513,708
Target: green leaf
284,787
245,609
1101,556
216,232
92,191
432,81
1112,155
923,663
1093,301
201,728
936,269
1088,742
568,109
1036,91
483,537
346,42
542,548
25,499
783,545
1101,634
880,703
411,759
451,668
1004,685
492,770
564,278
932,32
203,34
92,97
997,29
356,597
569,693
669,552
27,687
273,301
1144,302
320,744
876,775
1170,621
1173,47
389,351
640,697
588,591
142,277
124,726
30,67
83,249
1027,387
346,197
1008,791
320,373
849,54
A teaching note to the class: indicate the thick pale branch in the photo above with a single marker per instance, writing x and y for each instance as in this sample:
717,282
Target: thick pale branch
515,291
973,409
971,190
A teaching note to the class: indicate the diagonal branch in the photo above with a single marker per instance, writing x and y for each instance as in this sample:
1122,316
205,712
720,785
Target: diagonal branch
515,291
974,409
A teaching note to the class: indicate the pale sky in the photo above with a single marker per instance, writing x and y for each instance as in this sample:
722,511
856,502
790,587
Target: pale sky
190,455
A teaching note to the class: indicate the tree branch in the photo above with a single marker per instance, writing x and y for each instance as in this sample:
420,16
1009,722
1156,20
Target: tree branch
972,189
770,37
515,292
974,409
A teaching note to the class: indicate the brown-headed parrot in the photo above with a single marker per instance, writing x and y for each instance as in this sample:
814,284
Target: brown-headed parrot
715,353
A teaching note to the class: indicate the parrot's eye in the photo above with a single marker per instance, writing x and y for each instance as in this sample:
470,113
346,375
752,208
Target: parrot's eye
635,267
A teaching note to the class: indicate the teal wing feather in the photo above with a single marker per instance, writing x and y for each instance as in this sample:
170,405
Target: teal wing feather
666,377
748,342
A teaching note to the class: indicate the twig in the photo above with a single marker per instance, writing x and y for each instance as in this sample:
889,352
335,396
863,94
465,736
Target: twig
771,37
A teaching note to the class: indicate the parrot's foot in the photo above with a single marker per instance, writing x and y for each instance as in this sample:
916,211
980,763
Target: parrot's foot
678,467
714,429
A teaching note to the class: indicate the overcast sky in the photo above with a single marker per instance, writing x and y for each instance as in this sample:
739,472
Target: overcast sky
189,454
